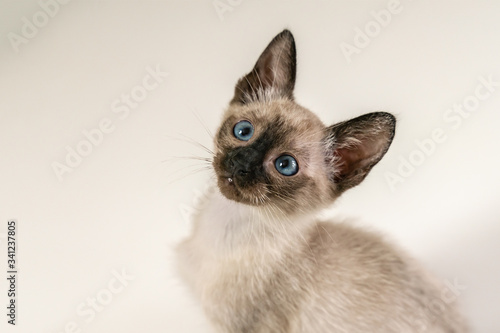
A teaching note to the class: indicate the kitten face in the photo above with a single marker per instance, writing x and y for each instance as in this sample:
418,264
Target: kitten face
272,152
281,164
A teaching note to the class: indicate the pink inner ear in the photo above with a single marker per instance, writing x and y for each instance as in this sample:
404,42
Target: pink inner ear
357,145
349,159
344,160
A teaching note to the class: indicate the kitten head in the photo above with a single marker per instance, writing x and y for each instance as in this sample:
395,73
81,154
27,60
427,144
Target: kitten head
272,152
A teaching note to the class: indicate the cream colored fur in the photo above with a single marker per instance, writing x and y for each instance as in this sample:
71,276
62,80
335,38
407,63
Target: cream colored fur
253,273
258,258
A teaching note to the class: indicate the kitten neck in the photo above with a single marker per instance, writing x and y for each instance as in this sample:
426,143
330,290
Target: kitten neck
230,227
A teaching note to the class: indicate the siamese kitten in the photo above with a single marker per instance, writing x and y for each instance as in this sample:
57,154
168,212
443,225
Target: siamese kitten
260,260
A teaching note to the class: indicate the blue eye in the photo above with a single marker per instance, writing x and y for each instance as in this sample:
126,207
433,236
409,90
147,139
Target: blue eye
286,165
243,130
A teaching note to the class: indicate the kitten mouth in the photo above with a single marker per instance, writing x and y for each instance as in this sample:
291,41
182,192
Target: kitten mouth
227,178
229,187
230,182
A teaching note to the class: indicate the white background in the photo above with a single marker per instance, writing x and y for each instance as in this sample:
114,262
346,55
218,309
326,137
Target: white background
124,207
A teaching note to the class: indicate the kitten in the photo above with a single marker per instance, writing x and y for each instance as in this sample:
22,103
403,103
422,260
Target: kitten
258,257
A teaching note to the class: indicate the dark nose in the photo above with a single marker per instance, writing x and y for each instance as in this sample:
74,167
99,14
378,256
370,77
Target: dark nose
242,162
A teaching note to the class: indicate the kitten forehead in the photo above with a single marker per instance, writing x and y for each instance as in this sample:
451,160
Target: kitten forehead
283,113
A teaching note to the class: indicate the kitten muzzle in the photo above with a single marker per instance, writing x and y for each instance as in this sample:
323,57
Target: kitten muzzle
244,166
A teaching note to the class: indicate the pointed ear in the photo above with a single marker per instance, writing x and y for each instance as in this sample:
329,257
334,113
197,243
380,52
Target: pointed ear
356,145
273,76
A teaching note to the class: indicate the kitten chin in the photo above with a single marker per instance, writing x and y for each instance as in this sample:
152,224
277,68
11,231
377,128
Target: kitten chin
260,261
